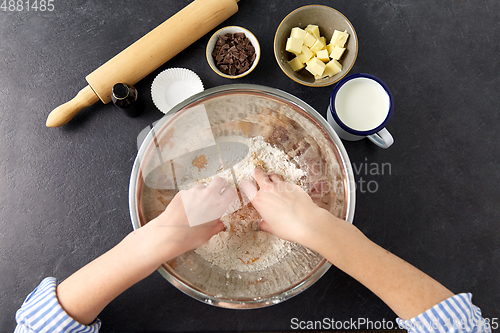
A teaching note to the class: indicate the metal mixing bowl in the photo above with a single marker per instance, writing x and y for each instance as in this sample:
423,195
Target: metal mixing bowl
247,110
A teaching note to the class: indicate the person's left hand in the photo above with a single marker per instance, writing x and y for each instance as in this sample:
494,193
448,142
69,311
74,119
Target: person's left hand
172,227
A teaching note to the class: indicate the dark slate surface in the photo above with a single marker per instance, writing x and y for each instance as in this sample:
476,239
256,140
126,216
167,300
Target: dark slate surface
63,191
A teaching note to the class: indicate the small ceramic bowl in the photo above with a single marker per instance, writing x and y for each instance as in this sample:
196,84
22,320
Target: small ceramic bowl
328,20
232,30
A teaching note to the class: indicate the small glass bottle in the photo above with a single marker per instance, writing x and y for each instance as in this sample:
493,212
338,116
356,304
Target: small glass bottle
125,97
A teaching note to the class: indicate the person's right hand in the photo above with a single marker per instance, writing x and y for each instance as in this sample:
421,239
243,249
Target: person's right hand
288,212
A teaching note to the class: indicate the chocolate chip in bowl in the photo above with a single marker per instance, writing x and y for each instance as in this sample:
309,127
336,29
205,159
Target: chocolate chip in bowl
233,52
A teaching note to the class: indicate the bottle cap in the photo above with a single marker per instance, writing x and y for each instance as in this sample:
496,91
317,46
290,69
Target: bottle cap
120,91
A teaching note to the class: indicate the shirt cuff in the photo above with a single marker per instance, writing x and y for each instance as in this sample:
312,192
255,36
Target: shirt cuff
455,314
41,312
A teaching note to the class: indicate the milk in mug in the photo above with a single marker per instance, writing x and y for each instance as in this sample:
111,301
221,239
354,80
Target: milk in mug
362,104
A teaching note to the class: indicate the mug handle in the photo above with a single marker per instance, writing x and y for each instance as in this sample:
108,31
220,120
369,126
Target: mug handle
382,138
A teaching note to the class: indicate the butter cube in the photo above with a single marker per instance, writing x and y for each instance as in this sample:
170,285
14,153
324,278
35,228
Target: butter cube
330,48
323,39
296,64
313,30
323,55
317,46
309,40
339,38
305,55
298,33
316,67
332,68
337,52
294,45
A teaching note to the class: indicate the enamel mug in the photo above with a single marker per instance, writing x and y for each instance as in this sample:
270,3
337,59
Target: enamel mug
360,107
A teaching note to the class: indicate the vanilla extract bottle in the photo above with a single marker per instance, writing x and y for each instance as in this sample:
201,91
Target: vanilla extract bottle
125,97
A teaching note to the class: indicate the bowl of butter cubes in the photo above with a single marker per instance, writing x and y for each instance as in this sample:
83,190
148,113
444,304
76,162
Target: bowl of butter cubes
315,45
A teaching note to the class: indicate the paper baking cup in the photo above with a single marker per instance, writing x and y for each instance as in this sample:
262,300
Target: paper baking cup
174,85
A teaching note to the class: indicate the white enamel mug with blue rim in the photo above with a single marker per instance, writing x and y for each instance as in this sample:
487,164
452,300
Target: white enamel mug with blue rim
378,135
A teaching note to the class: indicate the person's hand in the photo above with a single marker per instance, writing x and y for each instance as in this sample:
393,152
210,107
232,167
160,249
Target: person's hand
288,212
203,203
192,217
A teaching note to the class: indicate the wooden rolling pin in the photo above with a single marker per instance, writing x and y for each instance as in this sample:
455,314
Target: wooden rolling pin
147,54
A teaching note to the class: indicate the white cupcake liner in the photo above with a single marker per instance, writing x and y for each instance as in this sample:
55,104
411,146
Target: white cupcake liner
174,85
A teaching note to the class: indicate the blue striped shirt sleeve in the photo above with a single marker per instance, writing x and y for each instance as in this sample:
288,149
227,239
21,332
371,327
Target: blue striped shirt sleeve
457,314
41,313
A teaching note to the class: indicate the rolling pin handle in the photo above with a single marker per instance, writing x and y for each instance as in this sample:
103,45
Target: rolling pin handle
65,112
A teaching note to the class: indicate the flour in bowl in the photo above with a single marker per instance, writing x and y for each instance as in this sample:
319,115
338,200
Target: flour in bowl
241,246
